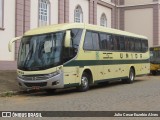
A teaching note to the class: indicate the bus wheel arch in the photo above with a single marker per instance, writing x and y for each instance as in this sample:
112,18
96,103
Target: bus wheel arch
131,76
89,73
86,80
132,67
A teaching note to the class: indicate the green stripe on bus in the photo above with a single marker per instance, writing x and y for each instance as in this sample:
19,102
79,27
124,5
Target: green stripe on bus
103,62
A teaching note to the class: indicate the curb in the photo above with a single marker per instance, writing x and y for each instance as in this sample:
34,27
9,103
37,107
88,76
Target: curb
10,93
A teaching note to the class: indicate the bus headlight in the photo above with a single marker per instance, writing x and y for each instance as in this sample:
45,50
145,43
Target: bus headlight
20,76
53,74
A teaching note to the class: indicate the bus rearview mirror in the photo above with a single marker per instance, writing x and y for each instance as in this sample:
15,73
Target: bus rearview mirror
67,42
11,42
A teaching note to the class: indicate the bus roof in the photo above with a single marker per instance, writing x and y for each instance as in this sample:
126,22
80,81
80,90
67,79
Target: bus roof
156,46
61,27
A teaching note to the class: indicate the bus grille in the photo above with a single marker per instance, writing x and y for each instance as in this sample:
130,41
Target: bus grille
42,84
30,78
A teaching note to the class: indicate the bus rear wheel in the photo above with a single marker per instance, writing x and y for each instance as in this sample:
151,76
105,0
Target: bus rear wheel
131,77
84,83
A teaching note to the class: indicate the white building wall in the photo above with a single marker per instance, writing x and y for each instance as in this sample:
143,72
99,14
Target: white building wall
54,11
137,2
140,21
85,8
159,26
107,11
9,32
34,13
108,1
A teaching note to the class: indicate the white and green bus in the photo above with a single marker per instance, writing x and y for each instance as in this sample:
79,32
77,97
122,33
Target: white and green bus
79,55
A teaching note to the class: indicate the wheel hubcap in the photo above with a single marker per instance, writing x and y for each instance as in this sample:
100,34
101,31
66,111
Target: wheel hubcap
84,81
131,76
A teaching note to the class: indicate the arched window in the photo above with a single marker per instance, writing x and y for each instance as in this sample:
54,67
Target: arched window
44,12
103,21
78,14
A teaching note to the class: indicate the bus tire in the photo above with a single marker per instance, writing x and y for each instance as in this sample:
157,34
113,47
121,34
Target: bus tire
131,77
84,86
50,91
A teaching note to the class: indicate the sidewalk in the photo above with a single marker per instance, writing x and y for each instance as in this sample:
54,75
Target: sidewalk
8,81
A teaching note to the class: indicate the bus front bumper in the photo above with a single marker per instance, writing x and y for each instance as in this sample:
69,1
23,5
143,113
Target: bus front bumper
54,82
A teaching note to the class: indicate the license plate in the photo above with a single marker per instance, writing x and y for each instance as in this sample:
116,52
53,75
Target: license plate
35,87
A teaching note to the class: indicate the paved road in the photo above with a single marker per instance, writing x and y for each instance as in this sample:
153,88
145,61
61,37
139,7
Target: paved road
142,95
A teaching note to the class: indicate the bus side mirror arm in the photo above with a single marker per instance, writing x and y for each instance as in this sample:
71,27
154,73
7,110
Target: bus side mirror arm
11,42
67,41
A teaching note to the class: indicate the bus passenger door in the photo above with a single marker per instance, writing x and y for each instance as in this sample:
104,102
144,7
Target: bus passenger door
92,51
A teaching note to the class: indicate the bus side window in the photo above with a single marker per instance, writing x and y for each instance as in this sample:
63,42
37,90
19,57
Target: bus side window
110,44
131,44
95,41
144,45
126,43
116,42
103,41
76,37
88,44
137,45
122,43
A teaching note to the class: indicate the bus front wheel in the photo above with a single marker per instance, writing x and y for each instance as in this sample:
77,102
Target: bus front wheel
131,77
84,86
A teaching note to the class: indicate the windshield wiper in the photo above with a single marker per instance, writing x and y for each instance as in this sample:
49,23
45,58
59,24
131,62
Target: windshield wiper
25,62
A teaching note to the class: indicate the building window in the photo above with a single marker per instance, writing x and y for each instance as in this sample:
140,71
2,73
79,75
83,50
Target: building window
103,21
78,15
44,12
1,13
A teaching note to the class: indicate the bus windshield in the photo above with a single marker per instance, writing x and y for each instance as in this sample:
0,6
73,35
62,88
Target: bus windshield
155,56
40,52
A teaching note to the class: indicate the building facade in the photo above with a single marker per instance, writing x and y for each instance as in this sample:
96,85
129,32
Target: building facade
17,16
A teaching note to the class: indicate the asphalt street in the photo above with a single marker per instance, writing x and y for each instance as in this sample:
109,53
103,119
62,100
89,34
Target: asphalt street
142,95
